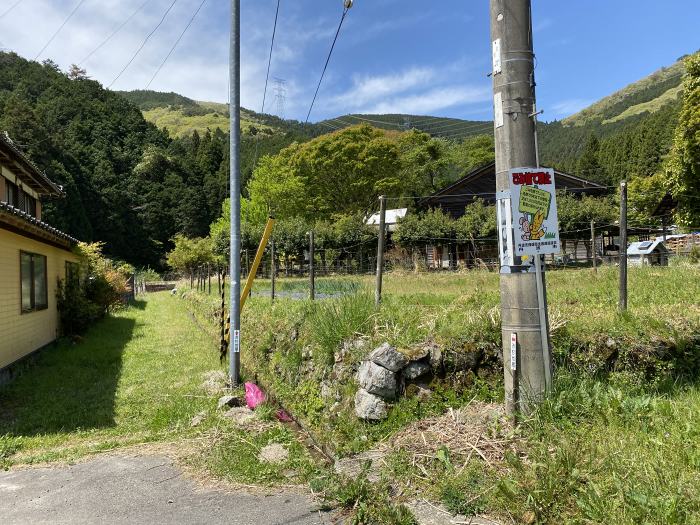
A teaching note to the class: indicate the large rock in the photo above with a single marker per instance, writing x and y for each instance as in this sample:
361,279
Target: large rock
377,380
389,357
415,370
463,360
418,352
370,407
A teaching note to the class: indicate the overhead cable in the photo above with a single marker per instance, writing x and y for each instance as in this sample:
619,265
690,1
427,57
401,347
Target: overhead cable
267,80
59,29
172,49
346,9
113,33
143,44
9,9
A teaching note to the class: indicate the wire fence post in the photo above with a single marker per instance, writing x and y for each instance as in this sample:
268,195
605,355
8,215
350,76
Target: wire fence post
380,250
312,276
595,263
273,269
623,246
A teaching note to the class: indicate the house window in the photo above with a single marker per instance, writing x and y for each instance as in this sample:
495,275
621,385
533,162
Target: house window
27,204
11,193
33,282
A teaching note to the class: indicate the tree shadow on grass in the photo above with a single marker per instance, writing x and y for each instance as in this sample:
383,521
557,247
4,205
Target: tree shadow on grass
70,386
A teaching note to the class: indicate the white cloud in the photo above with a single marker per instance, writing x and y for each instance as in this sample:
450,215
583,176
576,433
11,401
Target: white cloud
567,107
199,66
367,89
431,101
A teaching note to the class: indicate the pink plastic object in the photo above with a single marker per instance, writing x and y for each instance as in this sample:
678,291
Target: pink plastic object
253,396
283,416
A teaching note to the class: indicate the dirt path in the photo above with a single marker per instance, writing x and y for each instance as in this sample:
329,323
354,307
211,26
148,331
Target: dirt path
138,489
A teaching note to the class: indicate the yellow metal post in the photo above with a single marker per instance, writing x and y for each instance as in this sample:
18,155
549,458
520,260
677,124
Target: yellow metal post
258,259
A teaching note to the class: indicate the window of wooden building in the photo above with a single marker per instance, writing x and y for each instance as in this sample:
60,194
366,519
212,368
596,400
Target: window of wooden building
27,204
33,282
11,193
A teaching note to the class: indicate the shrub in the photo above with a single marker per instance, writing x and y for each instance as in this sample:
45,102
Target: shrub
96,288
76,311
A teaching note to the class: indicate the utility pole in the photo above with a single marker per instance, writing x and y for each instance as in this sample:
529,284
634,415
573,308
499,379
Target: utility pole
623,246
235,185
526,352
380,250
595,263
312,276
273,268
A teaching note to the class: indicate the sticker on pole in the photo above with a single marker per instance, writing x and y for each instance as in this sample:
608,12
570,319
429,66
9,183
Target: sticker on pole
534,209
236,341
513,351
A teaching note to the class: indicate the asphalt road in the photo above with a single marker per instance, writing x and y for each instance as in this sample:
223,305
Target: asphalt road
135,490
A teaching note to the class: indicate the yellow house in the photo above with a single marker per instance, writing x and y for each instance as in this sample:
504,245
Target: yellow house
33,257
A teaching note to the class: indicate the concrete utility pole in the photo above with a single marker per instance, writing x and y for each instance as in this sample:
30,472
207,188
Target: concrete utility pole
523,325
235,185
380,250
623,246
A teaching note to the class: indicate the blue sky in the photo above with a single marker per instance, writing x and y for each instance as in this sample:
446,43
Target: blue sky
408,56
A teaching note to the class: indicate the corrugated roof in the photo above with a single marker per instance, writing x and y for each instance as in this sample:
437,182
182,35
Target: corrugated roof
392,217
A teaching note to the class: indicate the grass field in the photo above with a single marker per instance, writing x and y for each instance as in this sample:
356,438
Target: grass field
137,378
180,125
608,446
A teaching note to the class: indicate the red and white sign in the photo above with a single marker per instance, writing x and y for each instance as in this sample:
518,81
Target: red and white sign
534,211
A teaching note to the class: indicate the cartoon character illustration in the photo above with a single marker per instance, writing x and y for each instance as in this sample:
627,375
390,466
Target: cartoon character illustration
532,230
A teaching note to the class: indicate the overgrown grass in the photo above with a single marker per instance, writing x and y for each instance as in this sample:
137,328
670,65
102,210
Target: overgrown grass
615,443
134,378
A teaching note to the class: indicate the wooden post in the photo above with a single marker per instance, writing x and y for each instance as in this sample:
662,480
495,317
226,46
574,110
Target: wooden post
380,251
312,276
273,268
623,246
595,263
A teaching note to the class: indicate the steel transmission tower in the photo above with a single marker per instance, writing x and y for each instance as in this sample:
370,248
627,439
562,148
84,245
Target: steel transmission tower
280,90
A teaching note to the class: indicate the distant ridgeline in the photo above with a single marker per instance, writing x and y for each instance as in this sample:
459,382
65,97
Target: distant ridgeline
135,186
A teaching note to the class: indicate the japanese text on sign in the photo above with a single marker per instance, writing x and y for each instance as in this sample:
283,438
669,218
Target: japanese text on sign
534,211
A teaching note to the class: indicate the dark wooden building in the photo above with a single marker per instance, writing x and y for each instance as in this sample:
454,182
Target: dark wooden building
481,183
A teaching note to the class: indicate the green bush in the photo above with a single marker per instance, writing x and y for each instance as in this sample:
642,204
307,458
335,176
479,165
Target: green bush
76,311
91,292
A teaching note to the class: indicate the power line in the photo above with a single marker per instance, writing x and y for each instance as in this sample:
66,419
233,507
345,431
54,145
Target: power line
172,49
143,44
113,33
267,79
269,58
346,8
59,29
9,9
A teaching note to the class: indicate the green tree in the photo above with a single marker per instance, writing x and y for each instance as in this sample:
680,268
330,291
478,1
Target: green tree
478,221
588,165
431,227
684,164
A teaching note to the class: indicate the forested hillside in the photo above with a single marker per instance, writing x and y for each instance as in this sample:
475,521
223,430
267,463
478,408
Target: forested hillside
136,186
127,183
